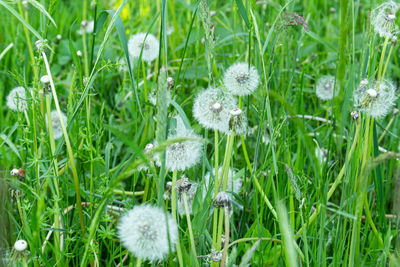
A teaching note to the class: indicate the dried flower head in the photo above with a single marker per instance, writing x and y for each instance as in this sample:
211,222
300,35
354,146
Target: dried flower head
383,19
185,186
375,99
234,183
241,79
144,231
185,154
56,124
86,27
17,99
325,87
293,20
222,200
146,42
237,121
211,109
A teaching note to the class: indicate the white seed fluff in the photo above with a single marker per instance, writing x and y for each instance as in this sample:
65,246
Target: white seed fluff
190,197
20,245
56,125
240,79
211,109
325,87
238,122
234,183
149,43
16,99
376,99
383,19
86,27
144,231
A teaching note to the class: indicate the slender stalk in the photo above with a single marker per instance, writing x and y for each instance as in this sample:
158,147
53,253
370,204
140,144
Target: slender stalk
216,166
138,262
173,211
382,58
191,236
68,145
226,243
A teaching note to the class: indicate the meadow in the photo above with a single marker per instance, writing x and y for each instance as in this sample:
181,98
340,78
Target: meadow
199,133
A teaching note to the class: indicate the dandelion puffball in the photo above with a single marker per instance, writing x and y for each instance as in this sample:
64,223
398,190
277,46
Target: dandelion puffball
148,42
325,87
16,99
182,155
20,245
211,109
86,27
56,124
240,79
376,99
383,19
144,231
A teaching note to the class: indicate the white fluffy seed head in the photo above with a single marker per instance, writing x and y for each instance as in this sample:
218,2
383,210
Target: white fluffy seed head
149,43
325,87
376,99
20,245
238,122
182,155
56,124
234,183
383,19
144,231
14,172
86,27
240,79
211,109
17,99
45,79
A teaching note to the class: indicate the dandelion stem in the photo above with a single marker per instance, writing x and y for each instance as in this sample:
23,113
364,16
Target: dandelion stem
226,243
191,236
382,59
216,166
387,61
138,262
173,211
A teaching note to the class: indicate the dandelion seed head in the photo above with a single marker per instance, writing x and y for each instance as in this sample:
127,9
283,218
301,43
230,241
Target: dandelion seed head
211,109
325,87
190,194
241,80
56,124
17,99
149,43
238,122
45,79
375,99
383,19
144,231
222,200
20,245
86,27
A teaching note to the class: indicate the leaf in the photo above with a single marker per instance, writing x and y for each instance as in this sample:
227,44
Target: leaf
26,24
243,12
39,7
10,144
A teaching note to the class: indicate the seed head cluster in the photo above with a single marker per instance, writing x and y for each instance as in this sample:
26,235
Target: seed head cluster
241,79
56,124
17,99
383,19
145,44
325,88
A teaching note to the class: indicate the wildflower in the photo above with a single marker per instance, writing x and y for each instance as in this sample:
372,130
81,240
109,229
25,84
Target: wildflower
237,121
222,200
294,20
146,42
233,184
56,124
182,155
145,230
376,99
383,19
325,87
211,109
79,53
20,245
16,99
86,27
241,79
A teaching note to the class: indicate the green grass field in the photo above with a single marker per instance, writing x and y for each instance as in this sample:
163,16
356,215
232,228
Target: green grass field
199,133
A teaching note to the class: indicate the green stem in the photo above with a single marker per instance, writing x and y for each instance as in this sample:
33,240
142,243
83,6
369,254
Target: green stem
226,243
371,222
387,61
138,262
191,236
173,211
382,58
